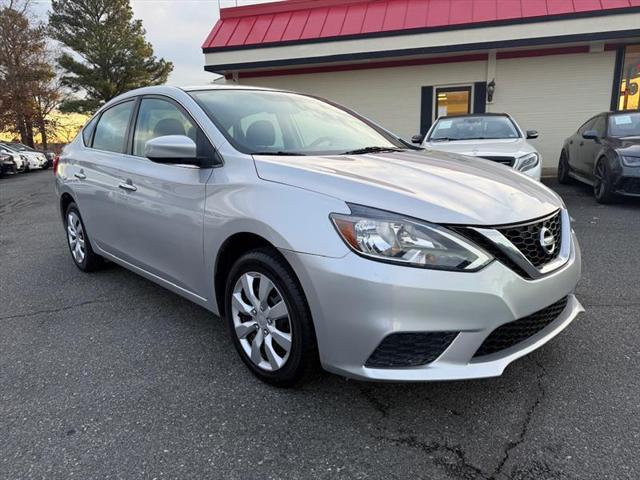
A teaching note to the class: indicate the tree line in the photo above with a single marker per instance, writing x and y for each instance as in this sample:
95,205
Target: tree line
85,54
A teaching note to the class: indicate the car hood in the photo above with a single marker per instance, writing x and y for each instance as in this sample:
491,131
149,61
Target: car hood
434,186
512,147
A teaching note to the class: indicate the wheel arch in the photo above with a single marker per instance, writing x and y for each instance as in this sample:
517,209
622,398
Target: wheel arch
230,251
65,200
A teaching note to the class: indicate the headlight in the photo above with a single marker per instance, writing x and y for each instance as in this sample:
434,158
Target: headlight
631,161
528,162
396,239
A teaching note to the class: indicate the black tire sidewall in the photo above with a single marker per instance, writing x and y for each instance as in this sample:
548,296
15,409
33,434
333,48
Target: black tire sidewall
563,169
608,195
91,260
303,349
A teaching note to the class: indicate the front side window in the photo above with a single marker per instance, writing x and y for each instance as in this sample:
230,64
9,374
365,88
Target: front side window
477,127
600,126
588,125
159,118
624,125
266,122
112,128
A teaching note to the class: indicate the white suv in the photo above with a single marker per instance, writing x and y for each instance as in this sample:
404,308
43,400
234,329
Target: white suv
491,136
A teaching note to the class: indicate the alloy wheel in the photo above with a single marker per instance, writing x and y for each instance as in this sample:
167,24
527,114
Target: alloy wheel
261,321
600,184
75,235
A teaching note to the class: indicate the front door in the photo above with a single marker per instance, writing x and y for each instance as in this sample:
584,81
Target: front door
162,205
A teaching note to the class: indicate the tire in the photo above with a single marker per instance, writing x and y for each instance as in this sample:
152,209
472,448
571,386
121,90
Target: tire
84,257
603,186
260,327
564,169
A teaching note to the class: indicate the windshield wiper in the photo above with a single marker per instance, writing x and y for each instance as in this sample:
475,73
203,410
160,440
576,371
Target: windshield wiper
281,154
364,150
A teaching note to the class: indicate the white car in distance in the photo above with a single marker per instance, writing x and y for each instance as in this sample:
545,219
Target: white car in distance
35,160
491,136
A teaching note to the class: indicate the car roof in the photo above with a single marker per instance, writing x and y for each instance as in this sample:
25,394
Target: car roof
477,115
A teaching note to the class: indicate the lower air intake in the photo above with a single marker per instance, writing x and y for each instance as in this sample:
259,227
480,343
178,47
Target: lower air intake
512,333
410,349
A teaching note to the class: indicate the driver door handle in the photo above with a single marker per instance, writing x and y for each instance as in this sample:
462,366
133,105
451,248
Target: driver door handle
128,186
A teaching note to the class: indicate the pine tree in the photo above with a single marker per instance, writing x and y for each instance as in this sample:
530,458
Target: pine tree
107,51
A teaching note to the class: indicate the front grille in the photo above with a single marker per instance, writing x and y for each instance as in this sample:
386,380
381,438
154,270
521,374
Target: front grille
410,349
509,161
512,333
526,238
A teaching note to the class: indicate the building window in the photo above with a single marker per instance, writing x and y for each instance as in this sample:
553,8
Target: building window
630,81
452,101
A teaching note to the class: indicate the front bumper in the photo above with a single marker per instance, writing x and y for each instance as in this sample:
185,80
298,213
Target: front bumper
627,182
356,303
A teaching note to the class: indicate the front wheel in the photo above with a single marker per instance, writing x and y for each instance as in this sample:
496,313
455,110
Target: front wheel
603,185
269,319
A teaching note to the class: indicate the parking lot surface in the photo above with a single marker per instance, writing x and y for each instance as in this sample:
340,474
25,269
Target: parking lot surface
110,376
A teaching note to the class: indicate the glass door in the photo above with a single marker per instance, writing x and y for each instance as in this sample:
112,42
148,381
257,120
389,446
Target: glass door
452,101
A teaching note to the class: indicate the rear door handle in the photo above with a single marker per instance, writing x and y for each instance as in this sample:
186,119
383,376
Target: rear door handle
582,144
128,186
80,175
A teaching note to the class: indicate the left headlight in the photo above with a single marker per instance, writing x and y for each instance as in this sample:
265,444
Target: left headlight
389,237
631,161
527,162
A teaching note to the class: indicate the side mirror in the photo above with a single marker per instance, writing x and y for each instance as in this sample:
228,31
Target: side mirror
417,139
531,134
590,135
172,149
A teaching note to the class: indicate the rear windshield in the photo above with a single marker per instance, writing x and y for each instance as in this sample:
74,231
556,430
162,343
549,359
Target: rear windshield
263,122
624,125
474,128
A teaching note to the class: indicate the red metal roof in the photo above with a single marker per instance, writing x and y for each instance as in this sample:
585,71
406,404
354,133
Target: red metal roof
304,20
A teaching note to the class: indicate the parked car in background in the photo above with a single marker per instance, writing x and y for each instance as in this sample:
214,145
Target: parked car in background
7,165
35,160
318,235
22,163
605,153
490,136
21,147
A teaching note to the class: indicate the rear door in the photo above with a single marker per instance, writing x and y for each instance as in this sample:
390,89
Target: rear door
94,173
162,205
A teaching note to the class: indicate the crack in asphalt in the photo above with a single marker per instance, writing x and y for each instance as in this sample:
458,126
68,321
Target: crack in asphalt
463,468
53,310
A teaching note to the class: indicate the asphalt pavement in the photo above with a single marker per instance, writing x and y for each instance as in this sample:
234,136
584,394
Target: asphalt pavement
107,375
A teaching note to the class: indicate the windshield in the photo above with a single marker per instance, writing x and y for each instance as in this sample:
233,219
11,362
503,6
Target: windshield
265,122
624,125
473,128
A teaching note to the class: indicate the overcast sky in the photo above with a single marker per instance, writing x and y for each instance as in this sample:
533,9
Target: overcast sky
176,29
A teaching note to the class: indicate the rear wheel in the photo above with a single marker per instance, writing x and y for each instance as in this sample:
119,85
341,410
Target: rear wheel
564,169
269,319
79,244
603,185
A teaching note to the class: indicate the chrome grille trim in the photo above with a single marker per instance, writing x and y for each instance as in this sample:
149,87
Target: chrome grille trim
509,249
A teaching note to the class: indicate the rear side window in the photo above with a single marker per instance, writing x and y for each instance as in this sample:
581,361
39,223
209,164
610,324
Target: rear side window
87,131
112,128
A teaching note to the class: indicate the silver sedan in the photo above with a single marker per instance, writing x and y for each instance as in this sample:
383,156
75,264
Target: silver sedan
320,237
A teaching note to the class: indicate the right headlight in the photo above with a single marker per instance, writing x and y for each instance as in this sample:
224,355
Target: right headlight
527,162
392,238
